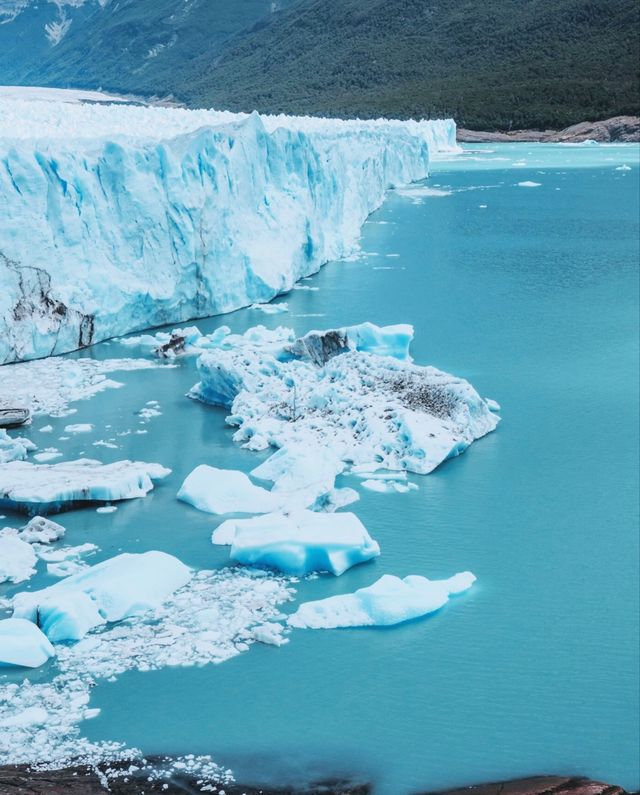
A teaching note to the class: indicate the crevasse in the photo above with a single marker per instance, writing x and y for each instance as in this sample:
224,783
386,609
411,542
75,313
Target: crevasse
119,218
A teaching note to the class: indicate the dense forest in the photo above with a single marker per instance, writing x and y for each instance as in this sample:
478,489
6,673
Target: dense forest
497,64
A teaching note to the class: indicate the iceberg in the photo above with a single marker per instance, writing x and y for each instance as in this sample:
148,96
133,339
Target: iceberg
120,218
23,644
123,586
298,543
53,487
390,600
40,530
341,395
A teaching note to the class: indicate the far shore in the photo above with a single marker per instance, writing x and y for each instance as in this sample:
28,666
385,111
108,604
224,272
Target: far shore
620,129
22,780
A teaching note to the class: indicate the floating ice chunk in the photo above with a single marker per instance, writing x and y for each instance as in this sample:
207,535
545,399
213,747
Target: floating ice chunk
107,509
422,192
82,427
389,600
271,633
46,429
41,530
361,406
529,184
14,449
271,309
49,454
47,487
225,491
23,644
127,585
391,486
320,346
17,559
623,167
492,405
66,561
300,542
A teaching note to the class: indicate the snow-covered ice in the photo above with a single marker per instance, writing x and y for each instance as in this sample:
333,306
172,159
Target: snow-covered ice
17,559
299,542
49,487
117,588
254,204
390,600
40,530
362,407
23,644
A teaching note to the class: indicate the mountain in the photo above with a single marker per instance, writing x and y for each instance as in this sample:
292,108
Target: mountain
496,64
142,46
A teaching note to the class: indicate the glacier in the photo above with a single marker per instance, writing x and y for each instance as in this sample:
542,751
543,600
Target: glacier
120,218
390,600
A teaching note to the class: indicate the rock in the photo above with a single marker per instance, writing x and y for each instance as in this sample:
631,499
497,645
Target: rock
619,129
539,785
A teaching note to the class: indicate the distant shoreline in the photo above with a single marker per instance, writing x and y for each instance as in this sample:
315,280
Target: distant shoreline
620,129
20,780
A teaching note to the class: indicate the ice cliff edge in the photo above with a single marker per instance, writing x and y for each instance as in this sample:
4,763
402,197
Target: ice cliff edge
114,219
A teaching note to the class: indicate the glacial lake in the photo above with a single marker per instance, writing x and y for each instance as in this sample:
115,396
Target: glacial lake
531,293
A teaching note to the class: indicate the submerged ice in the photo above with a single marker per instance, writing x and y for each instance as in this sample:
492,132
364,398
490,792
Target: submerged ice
139,217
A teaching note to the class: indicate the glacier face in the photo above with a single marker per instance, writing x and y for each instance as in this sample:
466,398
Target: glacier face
119,218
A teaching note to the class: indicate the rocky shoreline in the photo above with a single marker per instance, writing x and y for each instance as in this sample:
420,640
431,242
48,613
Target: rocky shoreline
620,129
21,780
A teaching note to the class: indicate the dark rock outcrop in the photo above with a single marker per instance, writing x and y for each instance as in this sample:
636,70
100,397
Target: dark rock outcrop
540,785
620,129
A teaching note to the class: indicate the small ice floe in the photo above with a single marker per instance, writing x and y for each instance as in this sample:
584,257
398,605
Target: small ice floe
105,443
14,448
123,586
390,600
41,530
48,454
623,167
49,487
81,427
299,542
66,561
482,206
271,309
46,429
107,509
225,491
305,287
149,412
22,644
529,184
492,405
388,486
420,192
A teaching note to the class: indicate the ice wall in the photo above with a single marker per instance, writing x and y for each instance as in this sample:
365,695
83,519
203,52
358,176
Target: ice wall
115,219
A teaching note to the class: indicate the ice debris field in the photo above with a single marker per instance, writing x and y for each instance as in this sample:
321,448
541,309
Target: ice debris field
154,216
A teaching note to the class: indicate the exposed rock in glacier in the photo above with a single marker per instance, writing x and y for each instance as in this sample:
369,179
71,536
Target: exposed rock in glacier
50,487
320,346
121,218
23,644
299,542
127,585
389,600
17,559
14,448
366,409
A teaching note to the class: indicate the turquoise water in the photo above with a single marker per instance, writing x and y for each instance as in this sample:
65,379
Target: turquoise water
534,299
